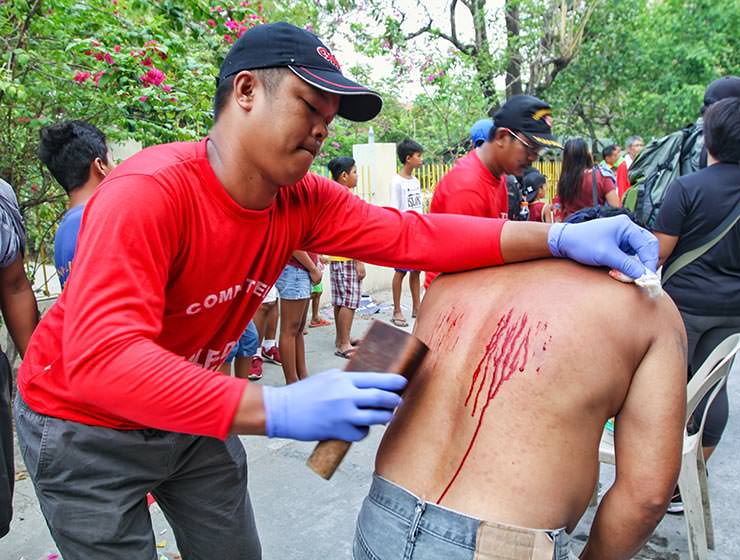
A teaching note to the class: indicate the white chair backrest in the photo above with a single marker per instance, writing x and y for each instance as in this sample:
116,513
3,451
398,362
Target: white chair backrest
712,374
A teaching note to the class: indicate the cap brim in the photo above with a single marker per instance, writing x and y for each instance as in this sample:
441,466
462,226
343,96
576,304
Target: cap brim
357,103
544,140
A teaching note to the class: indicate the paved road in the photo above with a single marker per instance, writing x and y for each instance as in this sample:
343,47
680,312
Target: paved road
302,517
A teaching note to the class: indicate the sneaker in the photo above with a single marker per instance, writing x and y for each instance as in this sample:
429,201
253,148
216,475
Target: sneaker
255,370
676,504
272,355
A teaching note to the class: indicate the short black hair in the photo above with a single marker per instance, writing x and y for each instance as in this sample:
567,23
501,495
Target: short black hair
722,130
270,77
340,165
68,148
408,148
608,150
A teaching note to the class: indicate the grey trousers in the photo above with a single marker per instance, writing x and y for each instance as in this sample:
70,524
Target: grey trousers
704,333
92,482
7,470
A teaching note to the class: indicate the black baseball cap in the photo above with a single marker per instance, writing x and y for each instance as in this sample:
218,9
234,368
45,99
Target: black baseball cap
532,183
281,44
530,116
727,86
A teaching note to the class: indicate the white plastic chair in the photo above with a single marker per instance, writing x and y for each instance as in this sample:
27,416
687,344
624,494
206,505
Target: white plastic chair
692,480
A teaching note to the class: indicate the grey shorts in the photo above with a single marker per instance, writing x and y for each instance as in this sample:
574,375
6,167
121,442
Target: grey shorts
92,483
396,525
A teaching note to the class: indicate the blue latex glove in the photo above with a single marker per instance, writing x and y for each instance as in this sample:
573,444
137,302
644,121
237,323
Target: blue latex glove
332,405
606,242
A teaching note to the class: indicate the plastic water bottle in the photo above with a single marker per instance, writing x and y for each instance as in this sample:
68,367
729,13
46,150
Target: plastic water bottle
370,136
524,211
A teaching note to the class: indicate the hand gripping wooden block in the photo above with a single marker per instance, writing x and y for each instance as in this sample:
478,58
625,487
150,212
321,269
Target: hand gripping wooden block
384,349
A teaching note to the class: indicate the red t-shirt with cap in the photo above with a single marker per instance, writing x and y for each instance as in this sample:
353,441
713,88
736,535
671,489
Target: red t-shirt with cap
471,189
156,300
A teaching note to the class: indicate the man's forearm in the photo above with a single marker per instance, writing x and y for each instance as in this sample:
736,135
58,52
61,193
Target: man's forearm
250,414
621,526
21,315
524,241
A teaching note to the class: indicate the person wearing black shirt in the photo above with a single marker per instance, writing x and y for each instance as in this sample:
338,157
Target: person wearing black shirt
707,290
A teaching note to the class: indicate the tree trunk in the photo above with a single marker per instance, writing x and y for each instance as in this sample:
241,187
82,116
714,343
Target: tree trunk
514,67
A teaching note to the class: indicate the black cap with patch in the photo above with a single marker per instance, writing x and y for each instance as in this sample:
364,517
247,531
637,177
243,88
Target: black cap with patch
530,116
277,45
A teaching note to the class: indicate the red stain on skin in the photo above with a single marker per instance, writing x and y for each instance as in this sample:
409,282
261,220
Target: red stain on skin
447,322
506,352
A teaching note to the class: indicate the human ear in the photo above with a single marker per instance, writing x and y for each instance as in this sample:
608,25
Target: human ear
244,89
99,167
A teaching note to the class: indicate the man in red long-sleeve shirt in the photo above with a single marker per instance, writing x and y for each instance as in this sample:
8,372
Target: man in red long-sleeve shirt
118,391
476,185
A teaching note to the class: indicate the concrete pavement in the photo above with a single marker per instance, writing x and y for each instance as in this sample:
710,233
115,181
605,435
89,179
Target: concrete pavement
302,517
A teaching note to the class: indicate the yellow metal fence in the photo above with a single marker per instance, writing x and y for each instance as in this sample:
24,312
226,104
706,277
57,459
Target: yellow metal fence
430,174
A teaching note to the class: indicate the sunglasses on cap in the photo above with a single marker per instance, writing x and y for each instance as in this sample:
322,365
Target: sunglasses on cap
534,150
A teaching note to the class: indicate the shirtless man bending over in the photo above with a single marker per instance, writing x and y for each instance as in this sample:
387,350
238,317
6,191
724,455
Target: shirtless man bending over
494,452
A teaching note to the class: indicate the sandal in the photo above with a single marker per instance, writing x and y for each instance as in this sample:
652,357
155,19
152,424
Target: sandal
399,322
346,354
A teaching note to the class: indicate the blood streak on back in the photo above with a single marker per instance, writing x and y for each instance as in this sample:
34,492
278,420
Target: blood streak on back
506,353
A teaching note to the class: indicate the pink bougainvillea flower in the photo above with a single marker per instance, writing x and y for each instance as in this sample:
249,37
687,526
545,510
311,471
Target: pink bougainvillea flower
150,42
166,88
81,77
244,4
153,77
336,145
114,2
212,22
95,43
231,24
108,58
117,48
99,56
88,52
147,62
34,186
143,98
173,99
228,38
97,76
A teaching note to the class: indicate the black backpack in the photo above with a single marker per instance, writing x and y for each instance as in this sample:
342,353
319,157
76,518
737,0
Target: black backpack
514,190
657,166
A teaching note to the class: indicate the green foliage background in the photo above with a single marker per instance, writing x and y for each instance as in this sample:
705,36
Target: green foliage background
641,69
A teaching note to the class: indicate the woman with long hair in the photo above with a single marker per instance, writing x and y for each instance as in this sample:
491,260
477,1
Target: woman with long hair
575,185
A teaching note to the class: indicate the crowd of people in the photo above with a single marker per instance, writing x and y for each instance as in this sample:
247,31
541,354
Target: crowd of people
139,376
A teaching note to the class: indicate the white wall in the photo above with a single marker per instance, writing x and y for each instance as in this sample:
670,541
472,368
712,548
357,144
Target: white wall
376,164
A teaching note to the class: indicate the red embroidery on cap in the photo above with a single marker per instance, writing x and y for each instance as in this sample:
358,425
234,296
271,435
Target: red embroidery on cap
326,55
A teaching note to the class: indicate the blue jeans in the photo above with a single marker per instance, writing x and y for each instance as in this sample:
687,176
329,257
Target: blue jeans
246,345
294,283
396,525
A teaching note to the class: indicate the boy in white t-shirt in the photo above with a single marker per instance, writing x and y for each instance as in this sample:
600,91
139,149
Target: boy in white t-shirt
406,196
